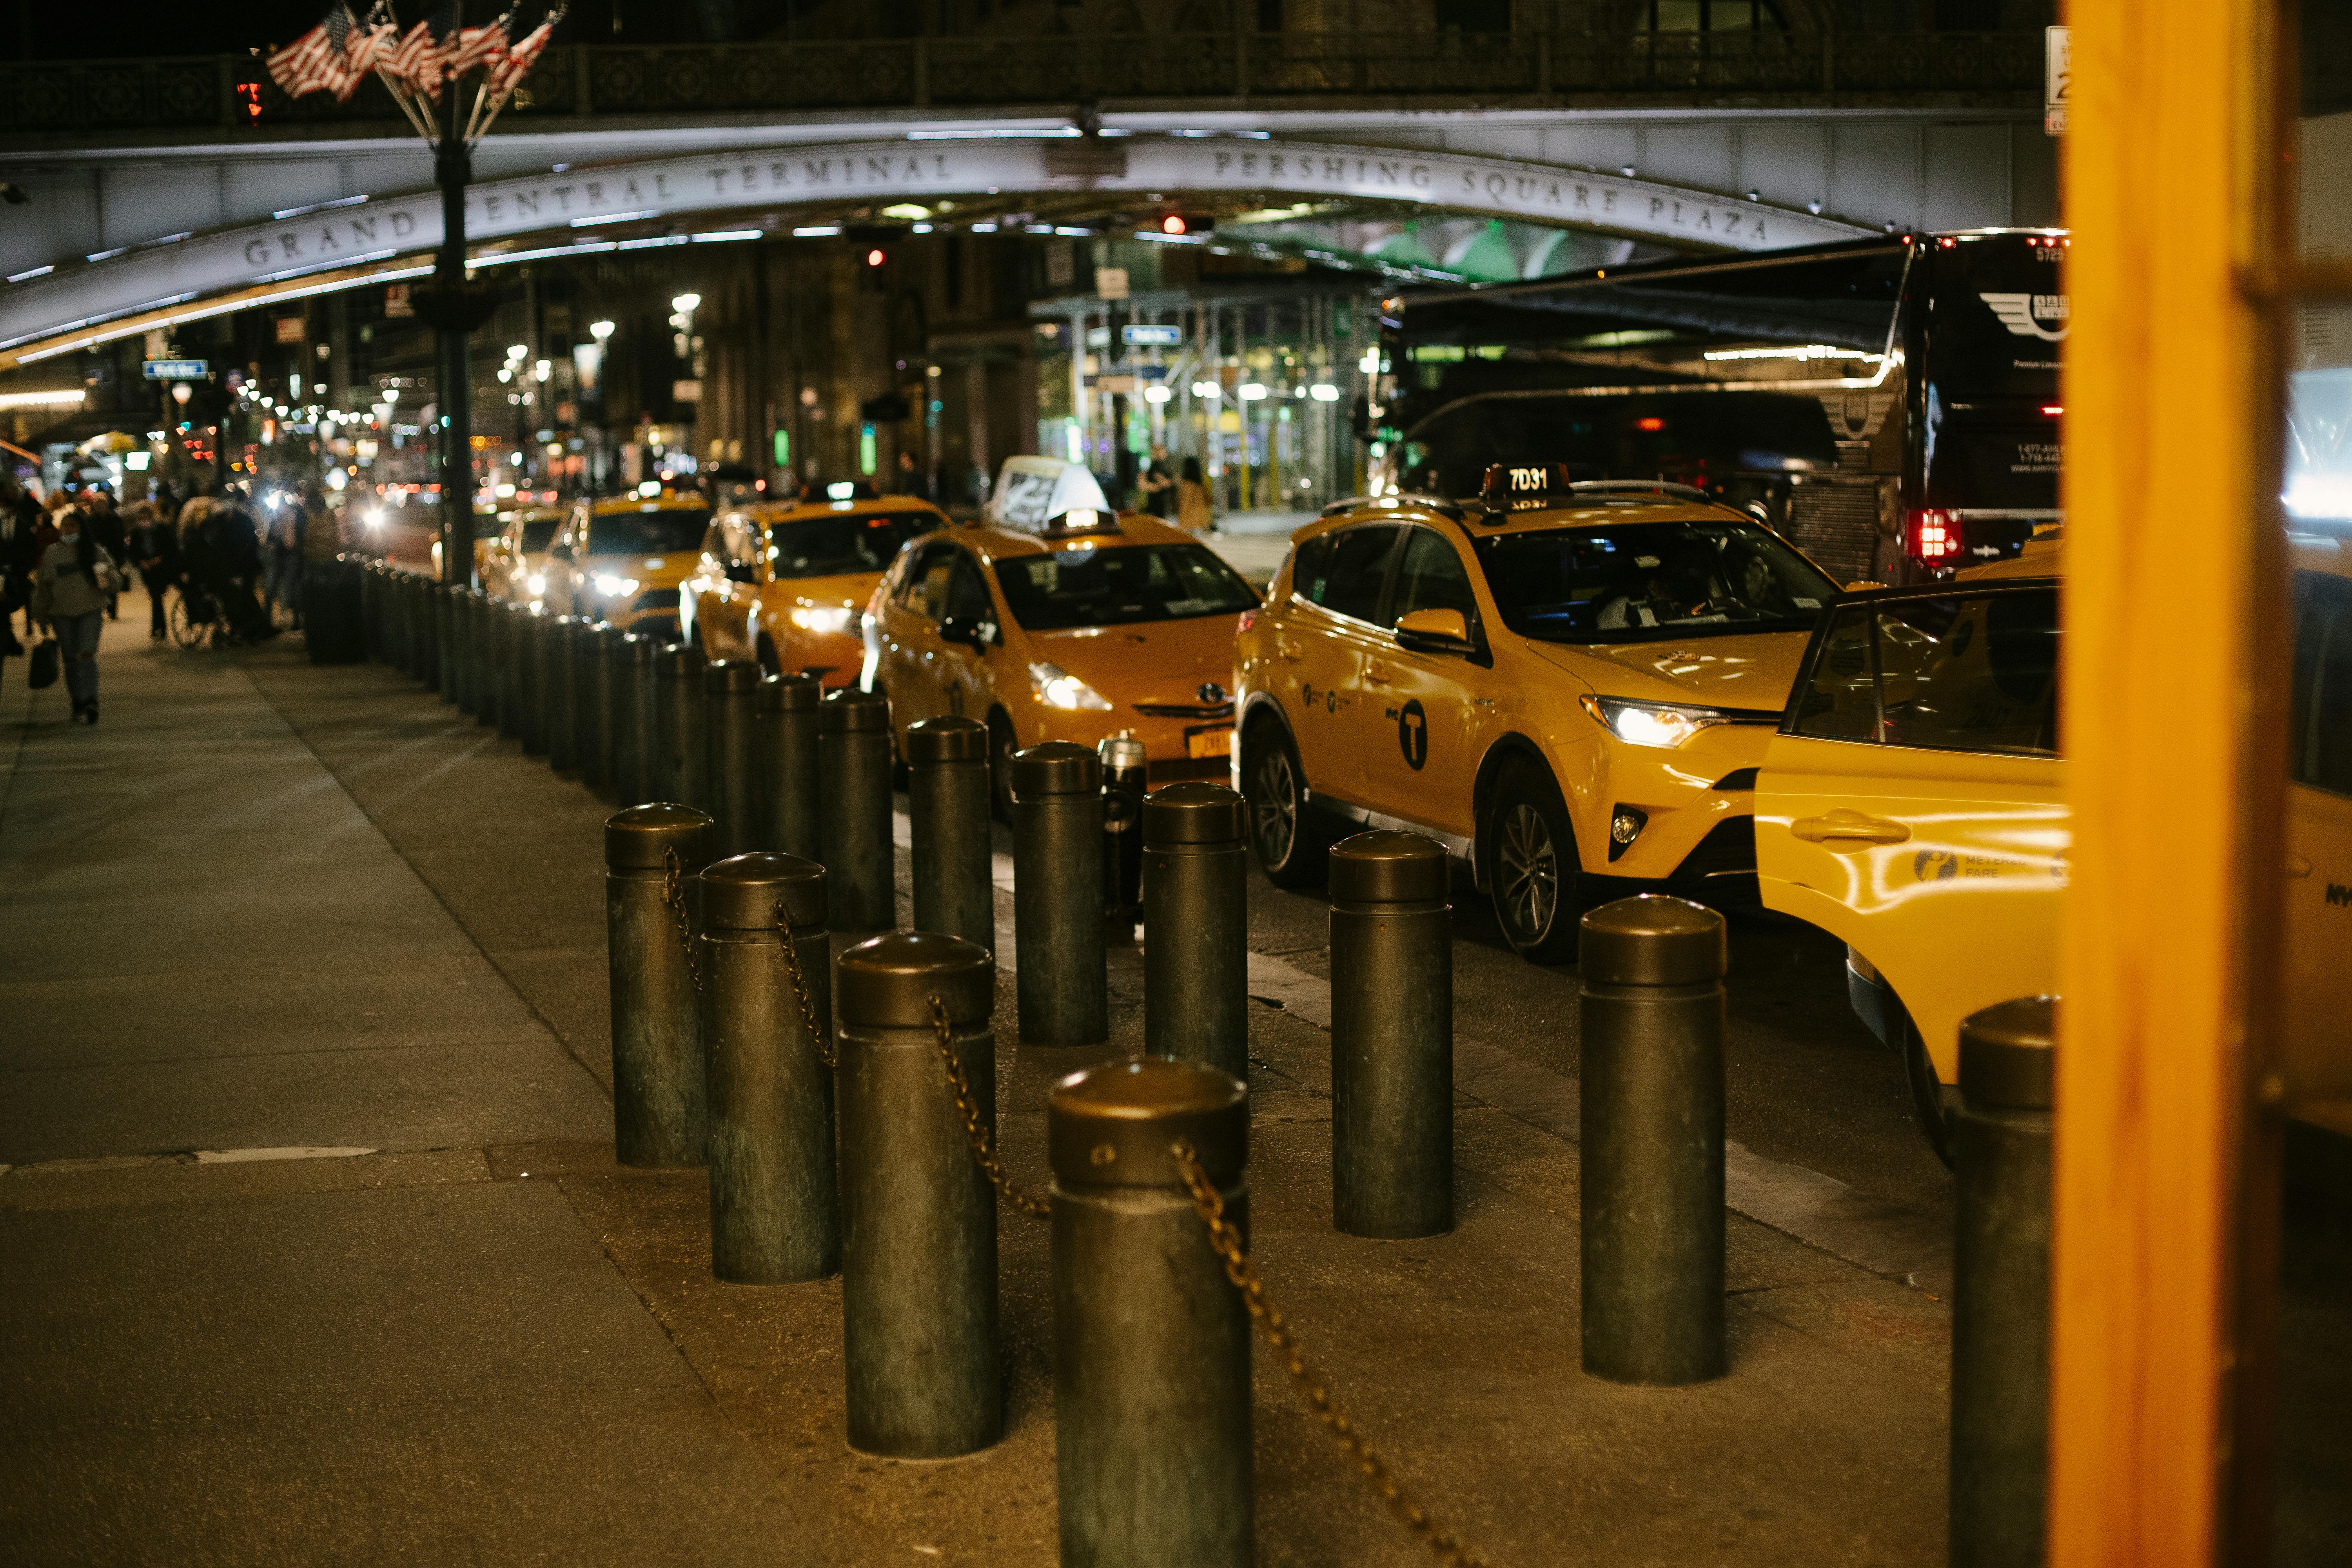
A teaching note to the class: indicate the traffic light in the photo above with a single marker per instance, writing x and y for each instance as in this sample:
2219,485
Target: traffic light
249,103
1178,225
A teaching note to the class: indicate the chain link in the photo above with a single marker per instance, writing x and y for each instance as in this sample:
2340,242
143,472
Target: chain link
1209,1204
817,1037
674,896
982,1148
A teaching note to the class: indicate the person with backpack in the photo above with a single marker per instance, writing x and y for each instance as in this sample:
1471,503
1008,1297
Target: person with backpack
69,596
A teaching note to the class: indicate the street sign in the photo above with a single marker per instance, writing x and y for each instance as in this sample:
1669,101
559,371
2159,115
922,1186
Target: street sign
175,369
2058,78
1147,336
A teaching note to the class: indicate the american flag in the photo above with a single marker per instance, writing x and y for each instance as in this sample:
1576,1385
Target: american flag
477,46
509,72
370,44
314,60
416,61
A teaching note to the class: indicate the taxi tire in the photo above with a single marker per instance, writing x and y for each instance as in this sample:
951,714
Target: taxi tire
1529,821
1268,759
1926,1092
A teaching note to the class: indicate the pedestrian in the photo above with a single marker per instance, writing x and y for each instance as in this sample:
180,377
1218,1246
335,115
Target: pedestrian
319,536
20,554
1193,511
237,547
155,541
281,559
105,524
1158,485
69,596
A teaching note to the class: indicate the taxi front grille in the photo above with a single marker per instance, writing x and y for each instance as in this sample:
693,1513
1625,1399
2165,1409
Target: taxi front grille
1193,711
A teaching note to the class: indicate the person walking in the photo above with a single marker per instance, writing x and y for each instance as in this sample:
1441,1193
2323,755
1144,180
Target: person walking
69,595
20,554
1193,511
155,542
106,525
1158,485
282,561
319,540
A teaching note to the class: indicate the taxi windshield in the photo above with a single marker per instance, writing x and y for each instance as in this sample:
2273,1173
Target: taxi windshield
1119,586
535,535
838,543
1636,582
651,533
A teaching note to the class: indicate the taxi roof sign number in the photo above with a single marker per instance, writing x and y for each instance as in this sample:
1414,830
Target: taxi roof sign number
1522,487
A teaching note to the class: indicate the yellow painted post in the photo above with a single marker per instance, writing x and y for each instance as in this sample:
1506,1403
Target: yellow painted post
2174,736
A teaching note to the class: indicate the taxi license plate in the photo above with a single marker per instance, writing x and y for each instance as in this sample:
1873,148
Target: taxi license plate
1210,741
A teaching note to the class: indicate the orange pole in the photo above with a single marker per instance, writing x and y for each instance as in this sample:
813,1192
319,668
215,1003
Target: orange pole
2175,753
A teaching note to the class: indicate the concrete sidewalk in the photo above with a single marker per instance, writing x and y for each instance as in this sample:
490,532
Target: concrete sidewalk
268,907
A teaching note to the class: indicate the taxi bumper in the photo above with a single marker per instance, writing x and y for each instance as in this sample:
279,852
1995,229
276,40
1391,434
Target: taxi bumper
1170,740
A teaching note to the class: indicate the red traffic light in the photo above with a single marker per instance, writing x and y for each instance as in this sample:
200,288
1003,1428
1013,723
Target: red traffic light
877,256
1173,224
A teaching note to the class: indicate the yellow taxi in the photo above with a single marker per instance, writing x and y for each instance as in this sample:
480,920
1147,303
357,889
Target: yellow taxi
622,558
509,551
1081,626
786,582
1914,805
1569,685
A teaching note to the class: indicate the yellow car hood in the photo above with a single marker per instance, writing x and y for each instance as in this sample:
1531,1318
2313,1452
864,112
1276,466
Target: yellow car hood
650,571
1157,661
1753,672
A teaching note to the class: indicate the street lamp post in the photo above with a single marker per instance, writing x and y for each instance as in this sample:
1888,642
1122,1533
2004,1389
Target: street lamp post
455,320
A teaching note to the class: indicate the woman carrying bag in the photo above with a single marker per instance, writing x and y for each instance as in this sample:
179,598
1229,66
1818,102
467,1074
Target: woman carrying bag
69,595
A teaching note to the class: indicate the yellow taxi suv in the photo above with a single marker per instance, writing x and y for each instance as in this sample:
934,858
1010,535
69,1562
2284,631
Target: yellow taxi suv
622,558
787,582
1080,627
1569,685
1914,803
510,551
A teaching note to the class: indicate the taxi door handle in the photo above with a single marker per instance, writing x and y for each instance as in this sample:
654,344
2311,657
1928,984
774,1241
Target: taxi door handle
1378,674
1849,829
2297,866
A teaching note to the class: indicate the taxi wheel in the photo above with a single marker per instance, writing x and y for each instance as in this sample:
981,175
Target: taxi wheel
1926,1092
1281,829
1534,877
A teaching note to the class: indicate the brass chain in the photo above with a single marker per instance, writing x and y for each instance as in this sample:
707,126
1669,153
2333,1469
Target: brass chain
817,1037
982,1149
674,896
1209,1204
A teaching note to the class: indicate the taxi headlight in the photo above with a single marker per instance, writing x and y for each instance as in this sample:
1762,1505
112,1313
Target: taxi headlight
612,588
536,582
835,620
1652,723
1057,688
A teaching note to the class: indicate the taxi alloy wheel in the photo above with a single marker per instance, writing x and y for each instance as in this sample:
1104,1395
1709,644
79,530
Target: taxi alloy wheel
1288,849
1534,875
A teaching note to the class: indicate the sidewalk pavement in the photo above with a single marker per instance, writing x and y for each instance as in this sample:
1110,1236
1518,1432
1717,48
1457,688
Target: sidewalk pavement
313,1247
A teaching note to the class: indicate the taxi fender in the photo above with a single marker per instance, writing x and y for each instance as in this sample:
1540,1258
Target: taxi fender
1507,746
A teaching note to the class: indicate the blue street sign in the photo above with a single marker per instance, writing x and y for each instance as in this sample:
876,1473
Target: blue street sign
175,369
1151,337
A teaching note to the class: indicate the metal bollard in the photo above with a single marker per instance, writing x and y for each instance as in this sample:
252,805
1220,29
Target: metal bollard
1195,926
1057,839
587,663
659,1115
1391,1037
767,1012
1152,1343
854,808
1652,1125
787,766
598,730
539,694
563,692
489,623
919,1313
465,650
730,720
371,580
2000,1298
513,650
674,760
640,719
948,811
396,619
1124,778
445,640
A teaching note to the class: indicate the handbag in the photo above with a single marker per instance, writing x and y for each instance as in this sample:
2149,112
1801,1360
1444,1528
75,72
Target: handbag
43,670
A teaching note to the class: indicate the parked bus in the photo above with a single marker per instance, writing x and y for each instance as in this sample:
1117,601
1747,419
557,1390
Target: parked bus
1890,406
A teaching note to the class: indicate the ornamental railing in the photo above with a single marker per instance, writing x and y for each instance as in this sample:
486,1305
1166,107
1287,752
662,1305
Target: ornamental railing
2002,69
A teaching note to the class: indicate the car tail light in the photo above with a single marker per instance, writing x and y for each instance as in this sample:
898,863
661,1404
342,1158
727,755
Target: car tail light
1931,534
1248,619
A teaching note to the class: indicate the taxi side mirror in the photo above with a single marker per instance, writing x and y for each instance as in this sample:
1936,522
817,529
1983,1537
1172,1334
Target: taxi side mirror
1436,631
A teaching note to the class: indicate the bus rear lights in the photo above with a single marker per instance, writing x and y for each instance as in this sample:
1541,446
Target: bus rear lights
1933,534
1649,421
2053,409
